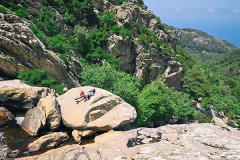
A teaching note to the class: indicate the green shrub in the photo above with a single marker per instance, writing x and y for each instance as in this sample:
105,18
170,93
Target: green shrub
107,78
147,36
59,44
47,22
98,55
158,104
98,37
121,31
202,118
238,123
19,10
69,19
38,77
106,21
41,35
65,59
231,123
22,13
161,26
81,41
3,10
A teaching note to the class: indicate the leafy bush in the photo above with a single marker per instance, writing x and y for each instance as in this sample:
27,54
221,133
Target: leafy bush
202,118
98,55
81,41
59,44
98,37
158,104
75,10
161,26
65,59
19,10
38,77
41,35
121,31
46,22
3,10
106,21
107,78
147,36
69,19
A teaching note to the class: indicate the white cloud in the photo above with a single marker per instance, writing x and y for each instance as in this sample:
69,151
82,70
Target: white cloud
211,10
176,10
236,11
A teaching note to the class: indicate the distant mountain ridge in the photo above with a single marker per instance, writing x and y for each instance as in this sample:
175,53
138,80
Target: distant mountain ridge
200,44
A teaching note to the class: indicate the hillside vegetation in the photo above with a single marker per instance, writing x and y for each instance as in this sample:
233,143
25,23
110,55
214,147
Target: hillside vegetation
201,45
227,64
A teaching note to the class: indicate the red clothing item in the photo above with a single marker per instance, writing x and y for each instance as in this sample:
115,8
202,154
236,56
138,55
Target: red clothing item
81,93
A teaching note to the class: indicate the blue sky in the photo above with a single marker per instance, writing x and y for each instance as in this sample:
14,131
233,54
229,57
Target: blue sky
220,18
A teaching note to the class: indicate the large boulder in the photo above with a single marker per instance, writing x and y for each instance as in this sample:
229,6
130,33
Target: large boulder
34,121
14,93
48,141
5,116
50,106
104,110
22,51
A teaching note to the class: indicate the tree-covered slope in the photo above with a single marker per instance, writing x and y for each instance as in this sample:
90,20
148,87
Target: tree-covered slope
227,64
201,45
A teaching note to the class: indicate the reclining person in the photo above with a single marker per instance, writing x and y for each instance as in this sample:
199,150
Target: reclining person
87,97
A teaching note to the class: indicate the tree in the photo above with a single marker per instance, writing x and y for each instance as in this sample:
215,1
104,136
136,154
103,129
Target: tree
107,78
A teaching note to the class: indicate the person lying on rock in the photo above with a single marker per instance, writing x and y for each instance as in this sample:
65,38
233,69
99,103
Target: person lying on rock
87,97
81,95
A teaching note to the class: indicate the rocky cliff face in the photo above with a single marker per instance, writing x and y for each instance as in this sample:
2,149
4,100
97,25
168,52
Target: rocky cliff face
134,57
21,51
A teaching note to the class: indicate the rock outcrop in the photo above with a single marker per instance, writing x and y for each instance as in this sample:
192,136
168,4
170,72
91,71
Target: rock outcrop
146,61
34,121
192,141
49,105
21,51
5,116
128,14
124,50
14,93
77,135
173,75
48,141
104,111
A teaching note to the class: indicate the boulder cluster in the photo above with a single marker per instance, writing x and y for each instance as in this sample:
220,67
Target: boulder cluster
45,111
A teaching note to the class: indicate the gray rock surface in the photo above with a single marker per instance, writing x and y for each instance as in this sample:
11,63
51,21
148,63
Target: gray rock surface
22,51
104,111
177,142
34,121
14,93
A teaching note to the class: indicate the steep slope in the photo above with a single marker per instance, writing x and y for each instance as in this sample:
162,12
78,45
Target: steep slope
201,45
227,64
95,31
22,51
